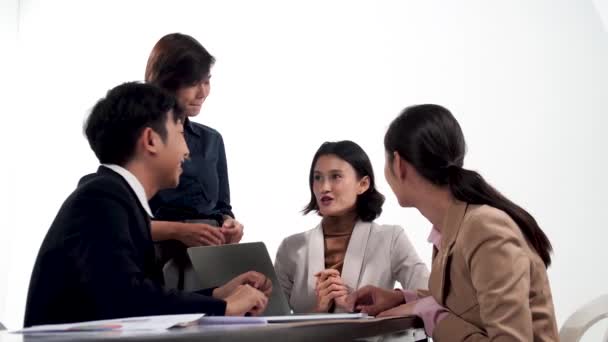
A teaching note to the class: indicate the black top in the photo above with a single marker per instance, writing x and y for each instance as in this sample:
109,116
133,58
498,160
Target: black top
97,261
203,191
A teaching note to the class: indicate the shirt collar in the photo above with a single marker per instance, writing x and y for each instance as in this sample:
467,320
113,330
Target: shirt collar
435,238
134,183
188,125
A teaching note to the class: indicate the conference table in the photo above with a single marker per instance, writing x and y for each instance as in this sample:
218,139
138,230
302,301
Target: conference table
406,329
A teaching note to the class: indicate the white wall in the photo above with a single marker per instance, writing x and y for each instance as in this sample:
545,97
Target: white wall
8,41
527,80
601,7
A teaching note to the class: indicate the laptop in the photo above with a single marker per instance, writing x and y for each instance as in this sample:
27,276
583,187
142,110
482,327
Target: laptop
216,265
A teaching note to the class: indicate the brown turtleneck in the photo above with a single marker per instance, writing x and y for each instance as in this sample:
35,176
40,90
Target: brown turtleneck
335,248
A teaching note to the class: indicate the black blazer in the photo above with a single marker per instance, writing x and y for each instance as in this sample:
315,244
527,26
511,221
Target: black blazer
97,261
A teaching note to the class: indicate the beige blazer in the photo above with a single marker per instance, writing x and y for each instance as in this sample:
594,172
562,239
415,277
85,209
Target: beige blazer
376,255
489,278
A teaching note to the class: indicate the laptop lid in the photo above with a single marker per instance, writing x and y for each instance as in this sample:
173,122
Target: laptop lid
216,265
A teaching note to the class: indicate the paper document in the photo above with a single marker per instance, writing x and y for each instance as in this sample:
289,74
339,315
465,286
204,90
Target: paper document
147,323
225,320
315,317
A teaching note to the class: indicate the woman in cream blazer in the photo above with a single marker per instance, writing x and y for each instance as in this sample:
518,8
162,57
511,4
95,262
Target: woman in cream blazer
374,254
489,274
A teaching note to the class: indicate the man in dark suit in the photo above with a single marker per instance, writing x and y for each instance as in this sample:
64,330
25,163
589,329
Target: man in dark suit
97,260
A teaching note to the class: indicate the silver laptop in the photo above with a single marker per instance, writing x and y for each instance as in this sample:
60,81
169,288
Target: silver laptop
216,265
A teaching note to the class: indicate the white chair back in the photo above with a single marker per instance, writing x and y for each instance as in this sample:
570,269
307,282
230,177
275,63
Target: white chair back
579,322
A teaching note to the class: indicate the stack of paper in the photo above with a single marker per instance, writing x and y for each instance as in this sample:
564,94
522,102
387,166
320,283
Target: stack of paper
148,323
159,323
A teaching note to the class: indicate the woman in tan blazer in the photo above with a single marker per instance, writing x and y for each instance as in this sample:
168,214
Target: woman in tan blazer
489,274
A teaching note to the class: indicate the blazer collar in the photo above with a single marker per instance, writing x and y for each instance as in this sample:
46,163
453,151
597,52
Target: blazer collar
451,224
449,232
134,184
353,259
355,254
105,171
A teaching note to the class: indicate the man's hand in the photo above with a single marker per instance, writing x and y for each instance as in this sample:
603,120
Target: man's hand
254,279
246,299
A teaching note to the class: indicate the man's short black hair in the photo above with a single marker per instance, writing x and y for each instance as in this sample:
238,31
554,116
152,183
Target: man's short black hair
117,121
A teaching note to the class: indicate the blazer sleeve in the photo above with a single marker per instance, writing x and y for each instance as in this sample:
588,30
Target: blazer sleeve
109,265
406,266
223,200
284,267
496,257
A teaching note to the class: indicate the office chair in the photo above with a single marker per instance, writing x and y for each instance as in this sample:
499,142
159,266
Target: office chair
580,321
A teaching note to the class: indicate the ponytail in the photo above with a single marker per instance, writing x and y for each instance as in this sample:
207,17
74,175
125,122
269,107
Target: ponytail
470,187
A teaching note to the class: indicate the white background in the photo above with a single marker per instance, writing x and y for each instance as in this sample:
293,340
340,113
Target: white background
528,81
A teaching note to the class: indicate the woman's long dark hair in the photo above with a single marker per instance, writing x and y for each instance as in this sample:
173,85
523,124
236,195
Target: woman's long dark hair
429,137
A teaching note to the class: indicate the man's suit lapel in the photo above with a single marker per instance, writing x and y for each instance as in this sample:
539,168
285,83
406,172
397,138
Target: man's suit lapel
142,216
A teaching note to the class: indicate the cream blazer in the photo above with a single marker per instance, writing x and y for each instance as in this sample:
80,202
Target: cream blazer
376,255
